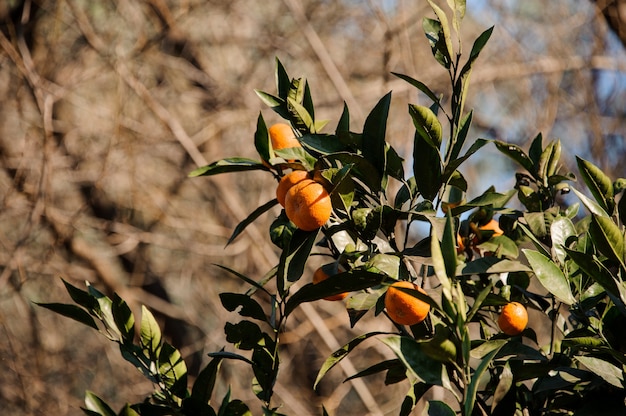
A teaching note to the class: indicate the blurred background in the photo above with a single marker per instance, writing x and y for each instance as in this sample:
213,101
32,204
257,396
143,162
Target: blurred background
107,105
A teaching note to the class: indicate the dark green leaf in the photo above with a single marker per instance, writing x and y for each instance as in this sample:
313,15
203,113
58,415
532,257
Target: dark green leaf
472,389
448,246
410,353
251,218
81,297
249,306
202,389
426,167
352,280
243,277
244,335
233,164
536,148
477,47
414,394
461,136
395,371
343,125
71,311
420,86
374,131
293,259
439,408
282,80
341,353
262,140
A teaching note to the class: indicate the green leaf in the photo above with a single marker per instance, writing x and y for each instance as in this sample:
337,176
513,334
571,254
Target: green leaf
436,38
448,246
439,265
202,389
262,141
420,86
491,265
105,313
454,164
561,230
300,116
439,408
124,319
352,280
341,353
249,306
173,371
445,47
607,371
150,333
599,184
374,131
71,311
251,218
536,148
97,405
517,154
548,163
426,167
293,259
550,276
470,397
608,238
590,204
279,105
244,278
395,371
233,164
81,297
504,385
427,125
595,270
245,335
282,80
421,366
461,136
343,125
477,47
415,393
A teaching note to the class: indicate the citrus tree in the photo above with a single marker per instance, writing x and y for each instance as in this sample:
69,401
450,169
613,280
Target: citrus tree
458,297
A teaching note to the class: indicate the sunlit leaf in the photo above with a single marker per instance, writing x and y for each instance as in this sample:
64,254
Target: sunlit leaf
561,230
608,238
97,405
609,372
599,184
423,367
550,276
150,333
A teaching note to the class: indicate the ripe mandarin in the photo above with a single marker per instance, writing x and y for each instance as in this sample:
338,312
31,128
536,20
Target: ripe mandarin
307,204
287,182
403,308
283,137
321,275
513,319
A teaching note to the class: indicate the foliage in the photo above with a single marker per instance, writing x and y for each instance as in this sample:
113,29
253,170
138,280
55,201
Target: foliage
570,272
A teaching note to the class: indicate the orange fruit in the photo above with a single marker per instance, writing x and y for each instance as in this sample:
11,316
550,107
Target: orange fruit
403,308
287,182
492,225
513,319
321,275
283,137
307,204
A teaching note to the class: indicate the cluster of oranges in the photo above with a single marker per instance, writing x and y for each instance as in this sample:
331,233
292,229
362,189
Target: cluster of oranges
306,202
